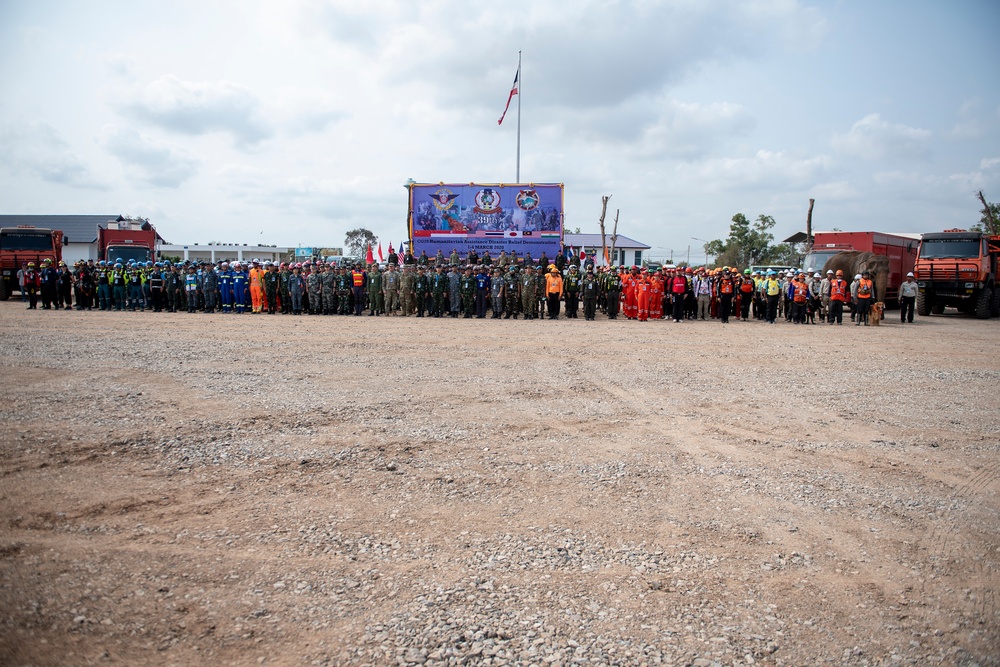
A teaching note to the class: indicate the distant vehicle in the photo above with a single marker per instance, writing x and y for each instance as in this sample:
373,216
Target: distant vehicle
21,245
125,240
764,268
901,249
959,269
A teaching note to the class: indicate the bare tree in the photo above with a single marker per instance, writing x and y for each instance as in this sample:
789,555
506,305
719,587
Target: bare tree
614,235
604,210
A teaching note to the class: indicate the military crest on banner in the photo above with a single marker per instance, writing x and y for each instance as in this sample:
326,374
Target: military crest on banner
487,202
443,199
527,200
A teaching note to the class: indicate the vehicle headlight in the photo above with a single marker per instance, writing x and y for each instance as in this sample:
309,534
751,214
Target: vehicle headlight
970,285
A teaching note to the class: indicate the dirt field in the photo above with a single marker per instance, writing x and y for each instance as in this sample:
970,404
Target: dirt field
194,489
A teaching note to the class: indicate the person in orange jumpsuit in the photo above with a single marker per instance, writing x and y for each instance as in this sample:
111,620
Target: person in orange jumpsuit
629,291
642,296
656,296
257,287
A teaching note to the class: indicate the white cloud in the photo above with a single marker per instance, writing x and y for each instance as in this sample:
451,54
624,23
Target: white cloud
691,130
989,163
773,170
873,138
121,65
201,107
152,161
39,149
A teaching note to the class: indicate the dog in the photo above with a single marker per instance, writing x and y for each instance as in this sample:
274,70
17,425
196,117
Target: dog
875,315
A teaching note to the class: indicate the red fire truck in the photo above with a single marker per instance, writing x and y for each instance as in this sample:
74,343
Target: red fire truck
22,244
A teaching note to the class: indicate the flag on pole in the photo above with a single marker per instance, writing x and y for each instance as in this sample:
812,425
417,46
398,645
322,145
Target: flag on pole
380,257
401,253
513,92
583,254
369,258
391,251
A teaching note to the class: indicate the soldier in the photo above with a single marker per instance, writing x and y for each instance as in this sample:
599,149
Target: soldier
453,258
407,290
572,290
284,296
541,296
496,293
269,288
421,291
390,289
589,288
210,287
511,293
314,288
296,289
330,280
344,291
486,260
613,287
528,288
376,303
423,260
503,261
454,291
467,287
439,289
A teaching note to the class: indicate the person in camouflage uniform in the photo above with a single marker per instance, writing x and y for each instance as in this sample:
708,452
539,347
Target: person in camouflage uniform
439,288
529,293
314,288
330,290
455,290
376,303
407,290
343,291
511,293
540,296
390,289
467,287
283,295
496,292
211,289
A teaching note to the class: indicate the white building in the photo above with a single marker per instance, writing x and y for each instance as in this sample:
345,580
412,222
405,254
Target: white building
217,252
628,251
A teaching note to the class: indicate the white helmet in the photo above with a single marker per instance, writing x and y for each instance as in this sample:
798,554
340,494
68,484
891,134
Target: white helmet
816,275
857,277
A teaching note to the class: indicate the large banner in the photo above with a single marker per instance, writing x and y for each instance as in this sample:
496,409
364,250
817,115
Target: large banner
516,218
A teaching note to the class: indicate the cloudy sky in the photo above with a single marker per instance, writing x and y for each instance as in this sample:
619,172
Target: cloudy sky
291,122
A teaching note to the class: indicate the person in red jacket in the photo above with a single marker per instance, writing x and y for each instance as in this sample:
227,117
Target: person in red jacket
629,293
840,293
656,296
678,292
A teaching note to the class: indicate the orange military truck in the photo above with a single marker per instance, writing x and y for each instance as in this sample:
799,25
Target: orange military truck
957,268
21,245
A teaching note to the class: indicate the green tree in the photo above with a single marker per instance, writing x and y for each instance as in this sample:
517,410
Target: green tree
358,240
748,242
989,217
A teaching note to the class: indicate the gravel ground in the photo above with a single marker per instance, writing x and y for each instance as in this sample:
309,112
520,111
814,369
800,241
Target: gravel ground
222,489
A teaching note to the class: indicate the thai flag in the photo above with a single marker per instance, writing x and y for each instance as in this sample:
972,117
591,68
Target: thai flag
493,233
513,92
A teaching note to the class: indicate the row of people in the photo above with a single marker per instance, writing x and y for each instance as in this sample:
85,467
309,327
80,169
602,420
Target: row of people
473,291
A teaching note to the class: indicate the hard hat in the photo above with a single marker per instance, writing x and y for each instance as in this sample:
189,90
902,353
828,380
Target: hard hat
857,277
817,275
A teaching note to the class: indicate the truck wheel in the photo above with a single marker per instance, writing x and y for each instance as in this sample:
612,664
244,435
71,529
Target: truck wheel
995,309
4,290
937,308
984,303
923,305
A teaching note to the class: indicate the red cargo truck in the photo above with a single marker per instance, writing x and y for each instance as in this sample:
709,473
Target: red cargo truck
901,249
125,240
22,244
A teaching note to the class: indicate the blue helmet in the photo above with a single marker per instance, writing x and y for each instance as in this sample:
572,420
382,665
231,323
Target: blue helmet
118,265
149,263
118,260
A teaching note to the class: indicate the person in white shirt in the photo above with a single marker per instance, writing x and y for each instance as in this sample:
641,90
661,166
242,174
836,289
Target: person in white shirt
907,299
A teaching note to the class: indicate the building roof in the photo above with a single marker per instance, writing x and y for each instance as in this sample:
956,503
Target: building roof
75,228
594,241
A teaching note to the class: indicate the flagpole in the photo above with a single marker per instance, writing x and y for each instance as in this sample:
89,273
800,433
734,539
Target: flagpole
520,83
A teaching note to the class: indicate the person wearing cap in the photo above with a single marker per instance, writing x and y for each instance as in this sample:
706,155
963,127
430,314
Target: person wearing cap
815,304
225,287
496,292
528,290
772,292
407,290
571,288
590,289
210,288
296,290
256,280
629,293
554,290
390,289
824,291
422,291
272,283
799,292
613,292
467,292
726,289
907,299
481,290
511,293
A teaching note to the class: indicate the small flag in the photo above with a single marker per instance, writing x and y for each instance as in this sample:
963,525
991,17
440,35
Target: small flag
391,251
402,253
369,258
513,234
380,257
493,233
583,254
513,92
